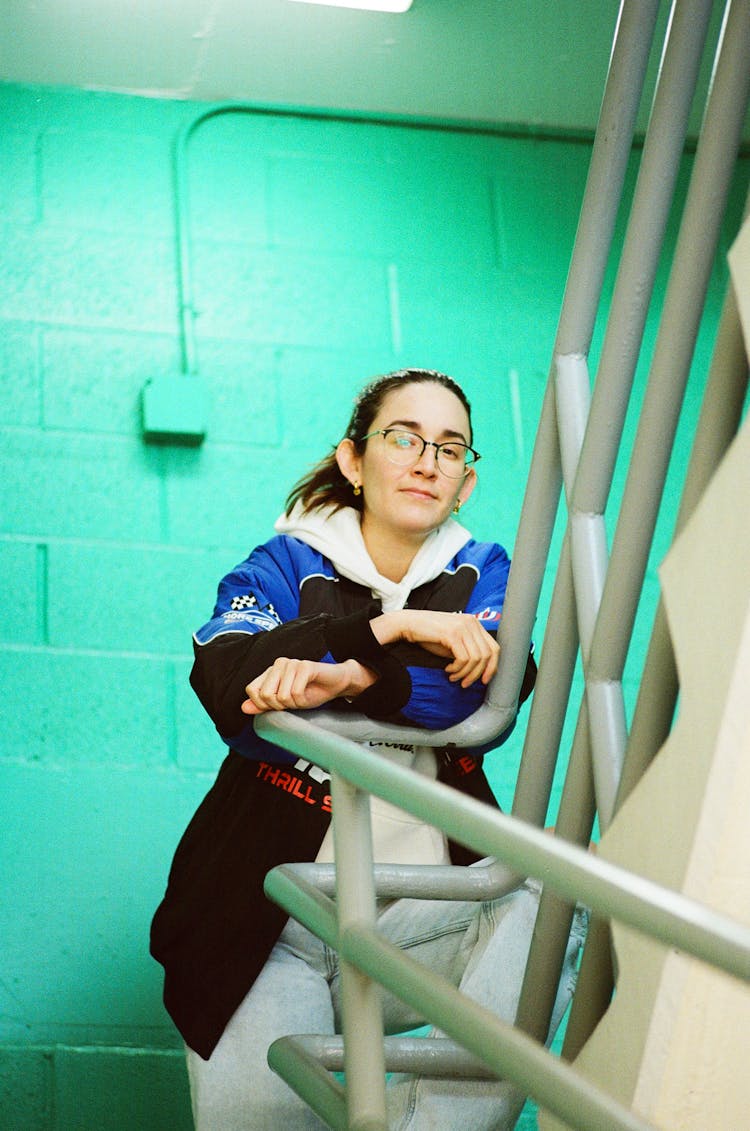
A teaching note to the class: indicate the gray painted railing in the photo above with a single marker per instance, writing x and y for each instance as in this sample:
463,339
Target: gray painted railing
593,607
349,925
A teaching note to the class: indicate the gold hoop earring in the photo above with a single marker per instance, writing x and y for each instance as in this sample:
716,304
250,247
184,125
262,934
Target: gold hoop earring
356,487
457,506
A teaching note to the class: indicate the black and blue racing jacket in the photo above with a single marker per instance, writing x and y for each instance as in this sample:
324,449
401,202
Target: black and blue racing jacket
287,600
214,929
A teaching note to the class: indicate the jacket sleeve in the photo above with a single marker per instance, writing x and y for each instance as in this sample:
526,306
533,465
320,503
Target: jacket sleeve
255,621
435,702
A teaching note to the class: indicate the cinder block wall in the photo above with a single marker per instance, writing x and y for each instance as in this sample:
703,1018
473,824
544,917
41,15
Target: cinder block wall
321,251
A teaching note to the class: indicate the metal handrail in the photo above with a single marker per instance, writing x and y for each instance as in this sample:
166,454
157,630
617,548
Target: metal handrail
666,915
601,734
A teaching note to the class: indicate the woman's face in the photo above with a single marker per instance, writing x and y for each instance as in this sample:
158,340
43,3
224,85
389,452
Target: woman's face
409,502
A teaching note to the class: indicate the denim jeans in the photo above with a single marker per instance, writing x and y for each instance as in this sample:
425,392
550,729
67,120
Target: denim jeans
480,947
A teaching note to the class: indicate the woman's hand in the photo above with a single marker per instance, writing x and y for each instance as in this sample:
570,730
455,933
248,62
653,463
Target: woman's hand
473,653
304,684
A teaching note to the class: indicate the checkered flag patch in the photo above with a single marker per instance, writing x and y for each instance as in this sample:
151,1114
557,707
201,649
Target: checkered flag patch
246,601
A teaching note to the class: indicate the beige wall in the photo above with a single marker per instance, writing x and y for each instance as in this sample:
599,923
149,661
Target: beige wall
673,1045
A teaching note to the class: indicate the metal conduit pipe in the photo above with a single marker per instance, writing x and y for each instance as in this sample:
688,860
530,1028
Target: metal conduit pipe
685,297
187,311
185,291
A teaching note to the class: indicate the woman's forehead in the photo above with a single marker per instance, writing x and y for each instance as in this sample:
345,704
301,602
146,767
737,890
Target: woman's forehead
425,403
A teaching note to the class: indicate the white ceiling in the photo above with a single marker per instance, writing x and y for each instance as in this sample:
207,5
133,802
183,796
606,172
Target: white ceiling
535,63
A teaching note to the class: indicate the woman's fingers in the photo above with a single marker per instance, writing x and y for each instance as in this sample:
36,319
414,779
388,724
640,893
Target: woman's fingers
472,652
294,678
300,684
278,687
475,652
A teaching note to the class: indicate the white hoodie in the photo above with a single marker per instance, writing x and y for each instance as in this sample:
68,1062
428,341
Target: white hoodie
398,837
338,535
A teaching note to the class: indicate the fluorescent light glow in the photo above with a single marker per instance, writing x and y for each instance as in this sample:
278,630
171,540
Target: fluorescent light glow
366,5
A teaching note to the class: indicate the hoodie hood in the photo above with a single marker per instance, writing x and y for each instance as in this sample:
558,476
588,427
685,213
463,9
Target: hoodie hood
337,535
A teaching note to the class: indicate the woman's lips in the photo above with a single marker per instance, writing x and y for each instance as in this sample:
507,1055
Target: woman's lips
418,494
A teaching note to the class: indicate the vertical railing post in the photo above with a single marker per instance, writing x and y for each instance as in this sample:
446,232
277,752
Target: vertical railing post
362,1021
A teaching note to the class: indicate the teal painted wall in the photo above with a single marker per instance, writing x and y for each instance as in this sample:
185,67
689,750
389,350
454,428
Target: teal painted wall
323,251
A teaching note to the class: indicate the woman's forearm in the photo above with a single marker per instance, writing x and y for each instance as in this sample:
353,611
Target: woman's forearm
360,678
387,628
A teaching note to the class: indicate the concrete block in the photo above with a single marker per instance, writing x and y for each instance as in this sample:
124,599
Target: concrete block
226,496
226,173
537,189
93,382
98,280
440,306
243,386
109,180
113,1088
75,486
326,381
129,599
19,197
25,1089
20,403
62,708
261,295
23,611
428,210
85,866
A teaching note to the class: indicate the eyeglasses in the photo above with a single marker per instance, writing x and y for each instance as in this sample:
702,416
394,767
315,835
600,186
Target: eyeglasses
406,448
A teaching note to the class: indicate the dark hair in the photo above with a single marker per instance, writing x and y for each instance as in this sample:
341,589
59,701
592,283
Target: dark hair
324,485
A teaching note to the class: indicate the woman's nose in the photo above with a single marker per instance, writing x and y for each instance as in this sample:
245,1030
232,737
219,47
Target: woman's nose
427,462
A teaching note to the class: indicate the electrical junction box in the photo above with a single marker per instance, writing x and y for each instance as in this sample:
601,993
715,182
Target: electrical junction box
175,410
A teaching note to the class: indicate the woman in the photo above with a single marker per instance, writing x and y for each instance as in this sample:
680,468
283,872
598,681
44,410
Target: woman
371,597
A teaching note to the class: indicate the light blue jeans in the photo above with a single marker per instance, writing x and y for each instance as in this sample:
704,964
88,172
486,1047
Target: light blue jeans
480,947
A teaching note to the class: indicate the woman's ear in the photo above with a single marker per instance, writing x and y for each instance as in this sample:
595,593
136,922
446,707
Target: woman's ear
467,486
348,461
